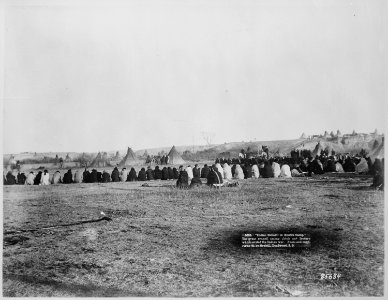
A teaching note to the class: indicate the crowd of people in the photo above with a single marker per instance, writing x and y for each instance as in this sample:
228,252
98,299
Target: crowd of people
219,174
310,165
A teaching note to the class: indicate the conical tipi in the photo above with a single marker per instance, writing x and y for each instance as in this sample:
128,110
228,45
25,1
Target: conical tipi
12,160
317,150
375,145
303,136
129,158
174,158
377,153
339,134
326,134
98,161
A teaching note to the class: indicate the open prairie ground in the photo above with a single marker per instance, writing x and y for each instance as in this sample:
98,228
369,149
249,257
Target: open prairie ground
168,242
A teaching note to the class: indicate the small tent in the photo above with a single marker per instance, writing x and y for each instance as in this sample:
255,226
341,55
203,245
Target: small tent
12,161
129,159
174,158
332,134
375,145
303,136
339,134
326,135
98,161
377,153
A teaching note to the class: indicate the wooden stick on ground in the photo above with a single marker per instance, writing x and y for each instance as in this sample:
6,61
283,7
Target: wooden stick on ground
56,226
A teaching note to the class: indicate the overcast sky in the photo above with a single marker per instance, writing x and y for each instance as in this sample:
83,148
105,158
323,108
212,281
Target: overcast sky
87,76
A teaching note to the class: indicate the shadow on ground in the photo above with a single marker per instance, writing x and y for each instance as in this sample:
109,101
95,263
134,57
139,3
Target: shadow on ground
77,290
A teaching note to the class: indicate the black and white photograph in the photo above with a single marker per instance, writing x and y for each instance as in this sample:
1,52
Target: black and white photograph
193,148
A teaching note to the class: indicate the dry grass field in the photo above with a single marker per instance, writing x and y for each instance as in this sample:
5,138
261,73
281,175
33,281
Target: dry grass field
186,243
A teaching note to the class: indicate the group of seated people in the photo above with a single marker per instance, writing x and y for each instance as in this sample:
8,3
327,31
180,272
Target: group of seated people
306,166
215,175
313,165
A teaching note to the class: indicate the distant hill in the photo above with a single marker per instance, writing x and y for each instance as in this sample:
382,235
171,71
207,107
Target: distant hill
344,144
350,144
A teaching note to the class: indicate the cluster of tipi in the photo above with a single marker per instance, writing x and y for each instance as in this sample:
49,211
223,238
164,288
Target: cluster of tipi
130,159
377,150
327,135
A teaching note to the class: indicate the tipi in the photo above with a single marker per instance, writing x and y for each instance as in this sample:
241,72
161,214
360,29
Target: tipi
375,145
145,155
378,152
317,150
98,161
174,157
12,161
326,135
303,136
129,158
339,134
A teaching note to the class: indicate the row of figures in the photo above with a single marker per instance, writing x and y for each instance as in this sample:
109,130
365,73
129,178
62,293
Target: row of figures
158,160
262,152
